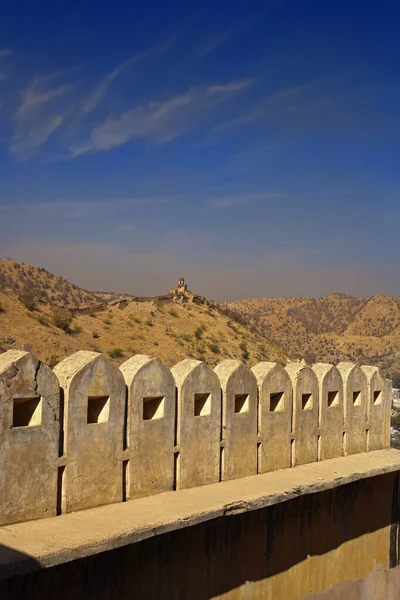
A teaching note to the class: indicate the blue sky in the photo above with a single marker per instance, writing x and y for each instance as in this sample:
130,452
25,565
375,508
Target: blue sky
251,147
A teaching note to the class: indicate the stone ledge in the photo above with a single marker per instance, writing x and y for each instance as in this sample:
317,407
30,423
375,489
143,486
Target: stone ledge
45,543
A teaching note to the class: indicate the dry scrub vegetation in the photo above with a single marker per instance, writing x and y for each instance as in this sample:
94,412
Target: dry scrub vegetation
56,324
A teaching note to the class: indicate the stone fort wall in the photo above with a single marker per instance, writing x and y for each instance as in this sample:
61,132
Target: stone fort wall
89,433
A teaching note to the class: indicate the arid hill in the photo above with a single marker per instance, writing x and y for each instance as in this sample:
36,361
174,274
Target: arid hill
332,328
53,318
44,287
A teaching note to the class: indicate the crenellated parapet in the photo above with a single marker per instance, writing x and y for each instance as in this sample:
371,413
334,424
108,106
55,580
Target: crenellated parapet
89,433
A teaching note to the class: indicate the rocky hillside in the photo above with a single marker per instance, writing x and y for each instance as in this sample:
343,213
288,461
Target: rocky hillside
332,328
53,318
43,287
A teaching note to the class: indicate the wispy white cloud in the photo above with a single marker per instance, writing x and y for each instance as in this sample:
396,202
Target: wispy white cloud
26,143
100,90
160,121
41,112
36,97
288,100
232,86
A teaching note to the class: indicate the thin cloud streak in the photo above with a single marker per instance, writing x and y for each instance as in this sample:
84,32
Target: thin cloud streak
35,98
100,90
236,200
38,116
160,121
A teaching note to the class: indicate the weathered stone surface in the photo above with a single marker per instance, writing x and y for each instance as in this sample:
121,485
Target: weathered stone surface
274,416
355,392
198,424
239,419
94,406
29,438
331,416
85,533
305,413
150,426
378,409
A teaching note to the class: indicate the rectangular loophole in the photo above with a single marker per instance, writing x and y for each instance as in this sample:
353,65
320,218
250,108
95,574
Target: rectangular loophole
378,397
333,398
98,409
241,403
356,398
306,401
27,412
202,405
125,480
276,402
153,408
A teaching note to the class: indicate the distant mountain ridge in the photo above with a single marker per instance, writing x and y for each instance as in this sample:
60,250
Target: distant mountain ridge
331,328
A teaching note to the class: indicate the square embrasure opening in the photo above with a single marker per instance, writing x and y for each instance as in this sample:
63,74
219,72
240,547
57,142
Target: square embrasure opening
27,412
276,402
378,397
241,403
153,408
356,398
306,401
202,404
333,398
98,409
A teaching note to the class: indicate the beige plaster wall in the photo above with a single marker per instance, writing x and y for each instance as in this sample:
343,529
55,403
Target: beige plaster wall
305,413
274,416
341,544
239,419
331,414
116,434
150,426
198,431
93,440
29,438
355,395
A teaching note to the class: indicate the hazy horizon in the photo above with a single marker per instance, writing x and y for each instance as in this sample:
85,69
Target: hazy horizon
250,148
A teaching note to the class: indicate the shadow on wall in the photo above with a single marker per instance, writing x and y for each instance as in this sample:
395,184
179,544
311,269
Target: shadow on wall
12,561
288,551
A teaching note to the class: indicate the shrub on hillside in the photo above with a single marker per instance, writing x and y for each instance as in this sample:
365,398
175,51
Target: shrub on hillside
62,318
28,298
198,333
116,353
52,360
214,348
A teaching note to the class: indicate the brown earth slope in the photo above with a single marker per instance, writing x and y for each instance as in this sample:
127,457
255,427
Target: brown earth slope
332,328
158,326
